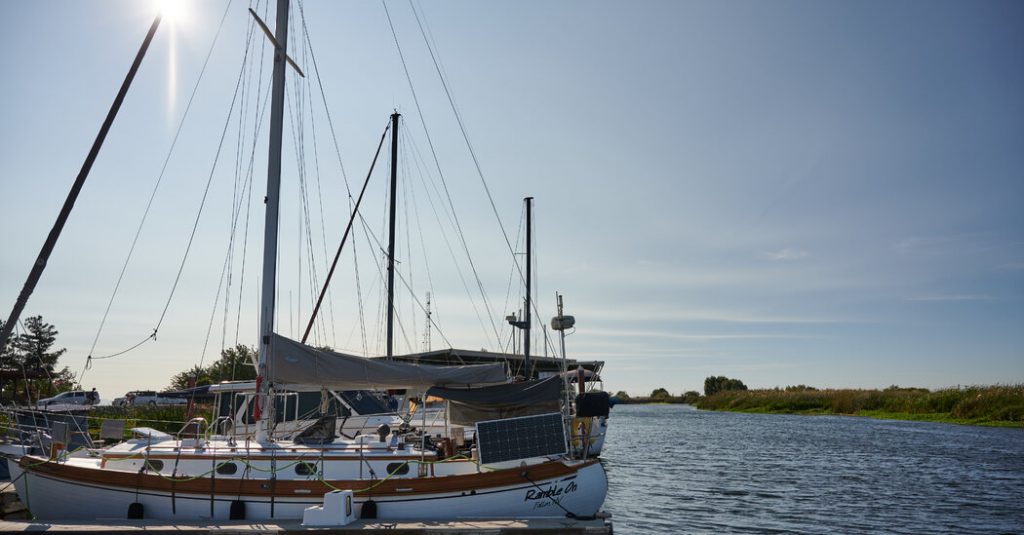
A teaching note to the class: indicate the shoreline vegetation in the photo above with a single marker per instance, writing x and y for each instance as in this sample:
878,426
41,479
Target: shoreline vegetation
994,405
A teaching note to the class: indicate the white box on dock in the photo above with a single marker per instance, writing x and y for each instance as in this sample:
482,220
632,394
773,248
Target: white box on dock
337,510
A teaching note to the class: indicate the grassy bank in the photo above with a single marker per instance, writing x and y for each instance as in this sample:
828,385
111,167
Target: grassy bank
168,419
1000,405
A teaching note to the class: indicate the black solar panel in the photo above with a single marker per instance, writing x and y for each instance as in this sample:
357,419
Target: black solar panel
520,438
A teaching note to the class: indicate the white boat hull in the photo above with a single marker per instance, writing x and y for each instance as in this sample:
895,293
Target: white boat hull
51,497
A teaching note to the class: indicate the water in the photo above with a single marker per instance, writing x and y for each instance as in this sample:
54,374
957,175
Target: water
674,469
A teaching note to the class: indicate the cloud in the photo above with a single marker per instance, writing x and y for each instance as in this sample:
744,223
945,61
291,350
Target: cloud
655,312
951,297
694,336
786,254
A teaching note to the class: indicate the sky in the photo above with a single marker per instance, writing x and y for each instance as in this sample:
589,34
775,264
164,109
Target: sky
820,193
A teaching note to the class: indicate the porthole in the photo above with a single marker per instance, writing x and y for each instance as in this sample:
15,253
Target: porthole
398,469
227,469
305,469
154,465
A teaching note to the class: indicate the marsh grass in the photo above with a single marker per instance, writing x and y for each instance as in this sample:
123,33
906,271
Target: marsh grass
169,419
999,405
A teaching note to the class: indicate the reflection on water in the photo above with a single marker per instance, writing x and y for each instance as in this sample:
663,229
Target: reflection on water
674,469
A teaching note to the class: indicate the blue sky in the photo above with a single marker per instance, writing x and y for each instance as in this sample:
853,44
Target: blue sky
788,192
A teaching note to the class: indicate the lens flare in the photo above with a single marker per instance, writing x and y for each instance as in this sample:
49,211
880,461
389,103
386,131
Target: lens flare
173,10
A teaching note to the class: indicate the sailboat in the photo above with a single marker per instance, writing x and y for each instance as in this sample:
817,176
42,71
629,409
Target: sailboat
197,475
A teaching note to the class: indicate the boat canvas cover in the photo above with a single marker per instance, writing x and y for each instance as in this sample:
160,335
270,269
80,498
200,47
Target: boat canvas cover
295,363
467,406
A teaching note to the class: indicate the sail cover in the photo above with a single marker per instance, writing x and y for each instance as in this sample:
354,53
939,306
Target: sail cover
468,406
297,364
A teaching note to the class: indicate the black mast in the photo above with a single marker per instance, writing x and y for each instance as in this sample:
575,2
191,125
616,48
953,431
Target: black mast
391,231
69,203
529,271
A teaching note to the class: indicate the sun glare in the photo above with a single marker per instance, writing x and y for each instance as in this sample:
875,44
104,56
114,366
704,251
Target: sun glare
173,10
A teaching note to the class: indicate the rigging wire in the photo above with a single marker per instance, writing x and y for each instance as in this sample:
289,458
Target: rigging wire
149,205
435,57
431,47
245,191
236,210
444,235
260,114
430,142
423,245
462,128
341,164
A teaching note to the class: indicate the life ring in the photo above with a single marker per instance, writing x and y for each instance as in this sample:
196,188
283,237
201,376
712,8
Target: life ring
581,429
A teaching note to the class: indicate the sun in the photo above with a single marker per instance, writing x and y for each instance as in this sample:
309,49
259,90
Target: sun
173,10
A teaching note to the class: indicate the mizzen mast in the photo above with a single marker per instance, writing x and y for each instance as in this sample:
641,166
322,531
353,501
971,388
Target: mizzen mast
391,233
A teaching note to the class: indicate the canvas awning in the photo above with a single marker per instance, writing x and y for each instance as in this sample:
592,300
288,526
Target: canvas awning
470,405
297,364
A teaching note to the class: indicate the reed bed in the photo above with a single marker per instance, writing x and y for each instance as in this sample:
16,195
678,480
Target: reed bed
979,405
169,419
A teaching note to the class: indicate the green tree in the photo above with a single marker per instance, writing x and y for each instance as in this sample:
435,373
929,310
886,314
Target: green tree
8,357
235,364
691,397
660,394
32,355
33,346
622,396
713,385
200,374
10,369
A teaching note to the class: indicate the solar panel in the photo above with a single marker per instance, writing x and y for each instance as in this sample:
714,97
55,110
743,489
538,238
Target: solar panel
520,438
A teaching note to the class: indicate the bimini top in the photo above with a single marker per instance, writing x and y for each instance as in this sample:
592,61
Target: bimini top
294,363
467,406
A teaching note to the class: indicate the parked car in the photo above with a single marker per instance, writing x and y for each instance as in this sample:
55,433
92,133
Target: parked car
150,398
73,397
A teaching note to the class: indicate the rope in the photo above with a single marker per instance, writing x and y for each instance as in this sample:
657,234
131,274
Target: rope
430,143
469,146
90,358
149,204
341,164
251,466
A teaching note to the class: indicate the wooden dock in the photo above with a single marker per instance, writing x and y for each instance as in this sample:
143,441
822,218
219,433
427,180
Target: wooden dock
467,527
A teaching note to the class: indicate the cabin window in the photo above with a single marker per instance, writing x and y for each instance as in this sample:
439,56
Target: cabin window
398,469
305,469
154,465
227,469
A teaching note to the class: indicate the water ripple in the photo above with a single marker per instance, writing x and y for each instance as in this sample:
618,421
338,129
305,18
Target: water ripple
673,469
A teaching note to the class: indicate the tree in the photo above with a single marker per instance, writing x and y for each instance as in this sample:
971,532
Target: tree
691,397
713,385
235,364
660,395
8,356
34,346
622,396
30,357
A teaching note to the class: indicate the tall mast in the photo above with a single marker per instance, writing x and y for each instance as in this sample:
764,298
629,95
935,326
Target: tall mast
272,201
391,232
69,203
529,285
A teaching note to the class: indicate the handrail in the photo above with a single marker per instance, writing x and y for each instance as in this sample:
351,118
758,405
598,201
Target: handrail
200,432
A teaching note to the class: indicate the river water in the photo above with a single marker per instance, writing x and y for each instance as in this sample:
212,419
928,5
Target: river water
675,469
